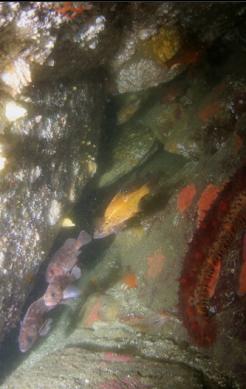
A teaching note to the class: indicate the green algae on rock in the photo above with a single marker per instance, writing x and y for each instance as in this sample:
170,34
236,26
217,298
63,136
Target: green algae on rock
132,146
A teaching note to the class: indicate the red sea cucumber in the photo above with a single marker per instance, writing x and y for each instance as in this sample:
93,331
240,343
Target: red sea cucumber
203,261
206,200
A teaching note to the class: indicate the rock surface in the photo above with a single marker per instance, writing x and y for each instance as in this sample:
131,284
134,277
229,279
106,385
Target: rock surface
49,155
183,124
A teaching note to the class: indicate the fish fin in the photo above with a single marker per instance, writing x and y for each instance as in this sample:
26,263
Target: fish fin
121,226
83,239
65,302
75,273
100,234
71,292
114,230
45,327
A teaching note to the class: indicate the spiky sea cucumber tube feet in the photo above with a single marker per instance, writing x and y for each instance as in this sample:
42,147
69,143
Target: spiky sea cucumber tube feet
205,256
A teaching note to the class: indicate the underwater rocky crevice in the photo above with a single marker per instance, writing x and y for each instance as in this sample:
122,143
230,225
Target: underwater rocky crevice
113,98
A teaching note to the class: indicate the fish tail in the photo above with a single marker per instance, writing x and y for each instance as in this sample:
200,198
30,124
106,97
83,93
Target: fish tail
145,189
83,239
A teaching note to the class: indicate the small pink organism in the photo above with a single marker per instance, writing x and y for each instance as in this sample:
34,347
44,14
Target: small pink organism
114,357
94,313
155,264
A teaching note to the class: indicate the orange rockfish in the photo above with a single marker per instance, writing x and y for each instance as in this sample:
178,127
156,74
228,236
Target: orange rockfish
60,290
64,260
33,325
122,207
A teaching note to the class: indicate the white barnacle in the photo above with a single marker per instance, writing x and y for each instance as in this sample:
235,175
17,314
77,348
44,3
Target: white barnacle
2,162
55,212
17,75
14,111
91,167
2,258
3,159
35,173
90,36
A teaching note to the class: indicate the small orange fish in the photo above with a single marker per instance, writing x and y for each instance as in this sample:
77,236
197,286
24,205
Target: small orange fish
122,207
65,259
33,325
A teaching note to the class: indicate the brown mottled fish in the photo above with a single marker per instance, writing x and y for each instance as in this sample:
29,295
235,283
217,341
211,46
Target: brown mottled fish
33,325
65,259
122,207
60,290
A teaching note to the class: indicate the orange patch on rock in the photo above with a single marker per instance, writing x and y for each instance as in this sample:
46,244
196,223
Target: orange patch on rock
207,198
155,263
207,112
185,197
130,280
94,314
